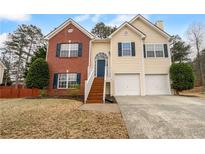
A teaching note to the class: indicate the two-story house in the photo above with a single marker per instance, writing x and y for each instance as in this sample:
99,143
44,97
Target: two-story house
133,60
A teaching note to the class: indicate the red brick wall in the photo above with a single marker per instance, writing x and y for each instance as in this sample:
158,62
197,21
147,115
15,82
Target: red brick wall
74,64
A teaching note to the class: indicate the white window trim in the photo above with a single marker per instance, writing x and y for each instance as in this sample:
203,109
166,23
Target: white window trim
155,49
130,49
59,80
162,51
69,49
66,80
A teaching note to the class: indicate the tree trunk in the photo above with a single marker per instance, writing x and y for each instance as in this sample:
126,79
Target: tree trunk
17,74
177,92
29,51
200,69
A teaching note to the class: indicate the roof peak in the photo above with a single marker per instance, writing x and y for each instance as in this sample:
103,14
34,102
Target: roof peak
66,23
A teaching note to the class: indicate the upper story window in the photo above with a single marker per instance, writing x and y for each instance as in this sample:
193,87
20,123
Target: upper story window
126,49
159,50
156,50
69,50
150,50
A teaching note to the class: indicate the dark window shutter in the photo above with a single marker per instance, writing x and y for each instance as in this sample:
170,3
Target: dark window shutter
80,49
78,78
144,50
133,48
55,80
58,48
166,50
119,49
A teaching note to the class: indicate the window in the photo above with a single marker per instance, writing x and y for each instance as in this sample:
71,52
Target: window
73,50
126,49
69,50
72,80
150,50
159,49
70,30
64,52
154,50
67,80
62,83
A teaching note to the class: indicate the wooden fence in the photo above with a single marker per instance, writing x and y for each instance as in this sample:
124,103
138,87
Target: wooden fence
12,92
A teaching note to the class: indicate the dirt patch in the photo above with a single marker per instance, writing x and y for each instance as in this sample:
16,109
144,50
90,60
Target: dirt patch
56,118
196,92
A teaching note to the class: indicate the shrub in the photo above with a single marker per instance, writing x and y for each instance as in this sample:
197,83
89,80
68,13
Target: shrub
38,74
43,92
182,77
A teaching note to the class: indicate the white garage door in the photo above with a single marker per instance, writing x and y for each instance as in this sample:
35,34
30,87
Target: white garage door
127,84
156,84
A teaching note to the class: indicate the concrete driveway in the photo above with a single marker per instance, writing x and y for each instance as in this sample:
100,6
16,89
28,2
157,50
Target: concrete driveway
163,116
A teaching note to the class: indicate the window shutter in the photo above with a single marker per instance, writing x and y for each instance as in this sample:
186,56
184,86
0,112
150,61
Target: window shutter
55,80
144,50
58,48
133,48
119,49
78,78
165,50
80,48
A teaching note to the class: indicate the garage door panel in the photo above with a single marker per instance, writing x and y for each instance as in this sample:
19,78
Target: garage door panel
156,84
127,84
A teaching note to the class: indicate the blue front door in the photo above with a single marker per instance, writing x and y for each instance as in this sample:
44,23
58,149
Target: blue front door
100,68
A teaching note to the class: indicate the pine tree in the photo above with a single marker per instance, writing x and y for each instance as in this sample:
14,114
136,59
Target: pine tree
180,50
22,44
40,53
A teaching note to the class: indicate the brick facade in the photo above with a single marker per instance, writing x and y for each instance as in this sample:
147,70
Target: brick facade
70,64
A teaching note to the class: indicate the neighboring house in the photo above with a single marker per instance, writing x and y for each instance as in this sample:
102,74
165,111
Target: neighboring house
134,60
2,68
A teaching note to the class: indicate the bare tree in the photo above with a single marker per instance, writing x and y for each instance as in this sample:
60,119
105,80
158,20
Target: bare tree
16,43
34,37
196,36
5,57
22,43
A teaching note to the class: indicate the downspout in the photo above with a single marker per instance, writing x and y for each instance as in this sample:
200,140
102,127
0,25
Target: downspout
47,50
143,69
170,62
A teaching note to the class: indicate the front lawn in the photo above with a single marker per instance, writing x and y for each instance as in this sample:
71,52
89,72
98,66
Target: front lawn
56,118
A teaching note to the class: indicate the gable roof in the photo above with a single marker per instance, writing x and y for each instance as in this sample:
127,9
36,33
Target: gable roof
2,65
151,24
130,26
66,23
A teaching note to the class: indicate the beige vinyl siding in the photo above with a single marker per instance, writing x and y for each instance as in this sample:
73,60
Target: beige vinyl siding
126,64
157,65
154,65
98,47
132,64
152,36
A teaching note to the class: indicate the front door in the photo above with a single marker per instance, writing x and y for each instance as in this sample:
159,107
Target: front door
100,68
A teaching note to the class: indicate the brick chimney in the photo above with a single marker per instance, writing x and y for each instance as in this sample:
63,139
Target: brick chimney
160,24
